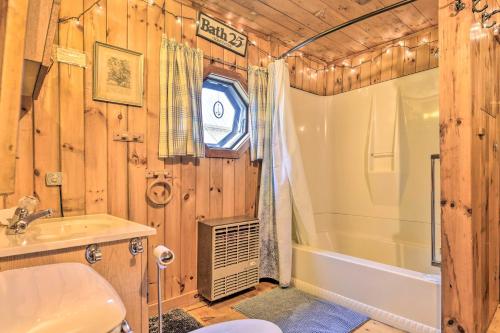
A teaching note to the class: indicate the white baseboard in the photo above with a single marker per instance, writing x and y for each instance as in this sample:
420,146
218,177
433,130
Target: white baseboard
372,312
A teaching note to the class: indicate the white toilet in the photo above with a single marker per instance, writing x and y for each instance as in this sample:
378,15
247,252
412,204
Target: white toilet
67,297
72,297
241,326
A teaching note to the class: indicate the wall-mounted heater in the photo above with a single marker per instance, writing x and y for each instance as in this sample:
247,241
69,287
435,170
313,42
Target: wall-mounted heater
228,256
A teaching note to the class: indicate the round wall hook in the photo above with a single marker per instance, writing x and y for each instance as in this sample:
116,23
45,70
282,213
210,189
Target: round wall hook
159,191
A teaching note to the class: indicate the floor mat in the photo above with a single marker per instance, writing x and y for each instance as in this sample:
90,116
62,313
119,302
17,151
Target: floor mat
297,312
174,321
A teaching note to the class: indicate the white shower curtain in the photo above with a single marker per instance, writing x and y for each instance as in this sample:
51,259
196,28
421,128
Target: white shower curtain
284,196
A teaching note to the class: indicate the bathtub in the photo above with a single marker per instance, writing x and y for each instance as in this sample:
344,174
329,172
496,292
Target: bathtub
399,297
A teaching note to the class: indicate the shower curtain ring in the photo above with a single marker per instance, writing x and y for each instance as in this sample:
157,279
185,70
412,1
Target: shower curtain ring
485,17
475,9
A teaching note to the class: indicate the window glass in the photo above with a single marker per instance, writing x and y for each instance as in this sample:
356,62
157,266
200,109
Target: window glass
224,104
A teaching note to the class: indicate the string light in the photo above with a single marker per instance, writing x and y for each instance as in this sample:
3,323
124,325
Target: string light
76,19
253,43
408,53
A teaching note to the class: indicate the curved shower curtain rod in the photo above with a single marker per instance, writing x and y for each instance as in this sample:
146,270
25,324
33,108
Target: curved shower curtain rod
346,24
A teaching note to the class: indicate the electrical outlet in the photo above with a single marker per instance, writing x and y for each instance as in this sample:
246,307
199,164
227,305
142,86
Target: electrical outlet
53,178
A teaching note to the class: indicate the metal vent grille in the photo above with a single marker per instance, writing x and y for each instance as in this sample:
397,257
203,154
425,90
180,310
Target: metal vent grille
236,244
235,258
235,282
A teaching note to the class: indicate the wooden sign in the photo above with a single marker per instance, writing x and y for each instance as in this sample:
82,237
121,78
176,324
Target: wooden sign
222,34
70,56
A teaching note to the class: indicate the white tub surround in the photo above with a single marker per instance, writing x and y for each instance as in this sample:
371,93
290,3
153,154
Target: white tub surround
367,160
383,151
67,232
402,298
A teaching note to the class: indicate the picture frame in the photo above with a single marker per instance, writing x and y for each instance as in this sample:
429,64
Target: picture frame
118,75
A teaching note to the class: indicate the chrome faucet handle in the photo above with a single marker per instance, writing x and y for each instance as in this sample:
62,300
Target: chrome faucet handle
32,217
19,214
24,219
28,202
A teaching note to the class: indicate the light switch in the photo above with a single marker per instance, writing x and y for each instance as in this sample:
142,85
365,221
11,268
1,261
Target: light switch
53,179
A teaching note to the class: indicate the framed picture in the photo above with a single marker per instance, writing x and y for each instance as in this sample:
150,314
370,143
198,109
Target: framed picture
118,75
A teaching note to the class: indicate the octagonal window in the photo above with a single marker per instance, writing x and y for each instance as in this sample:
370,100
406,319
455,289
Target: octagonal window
225,107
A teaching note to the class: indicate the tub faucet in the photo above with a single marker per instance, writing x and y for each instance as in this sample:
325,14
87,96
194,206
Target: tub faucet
22,219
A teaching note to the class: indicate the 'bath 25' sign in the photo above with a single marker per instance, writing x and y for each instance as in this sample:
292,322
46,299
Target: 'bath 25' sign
222,34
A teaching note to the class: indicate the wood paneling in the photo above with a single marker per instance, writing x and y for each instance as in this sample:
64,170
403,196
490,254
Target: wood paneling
41,26
70,132
414,53
123,271
12,31
73,133
469,96
293,21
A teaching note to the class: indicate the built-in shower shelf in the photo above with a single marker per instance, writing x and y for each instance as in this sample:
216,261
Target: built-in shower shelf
388,154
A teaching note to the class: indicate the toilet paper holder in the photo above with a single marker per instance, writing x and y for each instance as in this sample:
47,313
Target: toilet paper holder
164,256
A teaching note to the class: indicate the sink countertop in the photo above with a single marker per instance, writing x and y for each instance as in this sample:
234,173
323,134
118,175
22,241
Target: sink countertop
66,232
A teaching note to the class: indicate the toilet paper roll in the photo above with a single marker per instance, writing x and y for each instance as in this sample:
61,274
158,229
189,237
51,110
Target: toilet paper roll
164,256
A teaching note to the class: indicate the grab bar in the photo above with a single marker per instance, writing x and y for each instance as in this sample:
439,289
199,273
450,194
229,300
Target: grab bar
434,261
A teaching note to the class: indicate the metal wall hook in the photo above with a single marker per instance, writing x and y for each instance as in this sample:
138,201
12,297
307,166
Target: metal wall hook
475,9
485,17
459,6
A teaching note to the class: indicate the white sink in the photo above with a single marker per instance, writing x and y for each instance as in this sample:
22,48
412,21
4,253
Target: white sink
61,230
67,297
66,232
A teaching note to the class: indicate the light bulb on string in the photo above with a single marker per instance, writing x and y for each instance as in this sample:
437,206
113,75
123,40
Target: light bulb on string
98,8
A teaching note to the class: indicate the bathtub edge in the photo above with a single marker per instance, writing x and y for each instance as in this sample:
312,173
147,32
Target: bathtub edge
371,311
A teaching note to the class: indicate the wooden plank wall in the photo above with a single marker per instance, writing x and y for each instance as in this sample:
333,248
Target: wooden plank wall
411,54
12,31
469,124
70,132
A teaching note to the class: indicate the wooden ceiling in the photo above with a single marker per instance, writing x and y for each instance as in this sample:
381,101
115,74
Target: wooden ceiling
293,21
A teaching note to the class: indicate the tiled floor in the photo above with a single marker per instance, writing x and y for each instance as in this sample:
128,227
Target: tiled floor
222,311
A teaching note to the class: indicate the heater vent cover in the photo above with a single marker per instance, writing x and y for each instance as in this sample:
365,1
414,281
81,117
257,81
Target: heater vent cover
228,256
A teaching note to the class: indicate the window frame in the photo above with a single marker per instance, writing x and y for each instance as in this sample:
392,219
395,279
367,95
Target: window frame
244,142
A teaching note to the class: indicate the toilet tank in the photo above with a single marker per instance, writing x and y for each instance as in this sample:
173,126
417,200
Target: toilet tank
228,256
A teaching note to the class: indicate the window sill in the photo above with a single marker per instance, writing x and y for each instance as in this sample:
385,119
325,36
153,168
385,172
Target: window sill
234,153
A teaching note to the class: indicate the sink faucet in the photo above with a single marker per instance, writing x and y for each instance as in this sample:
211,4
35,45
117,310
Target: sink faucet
22,219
